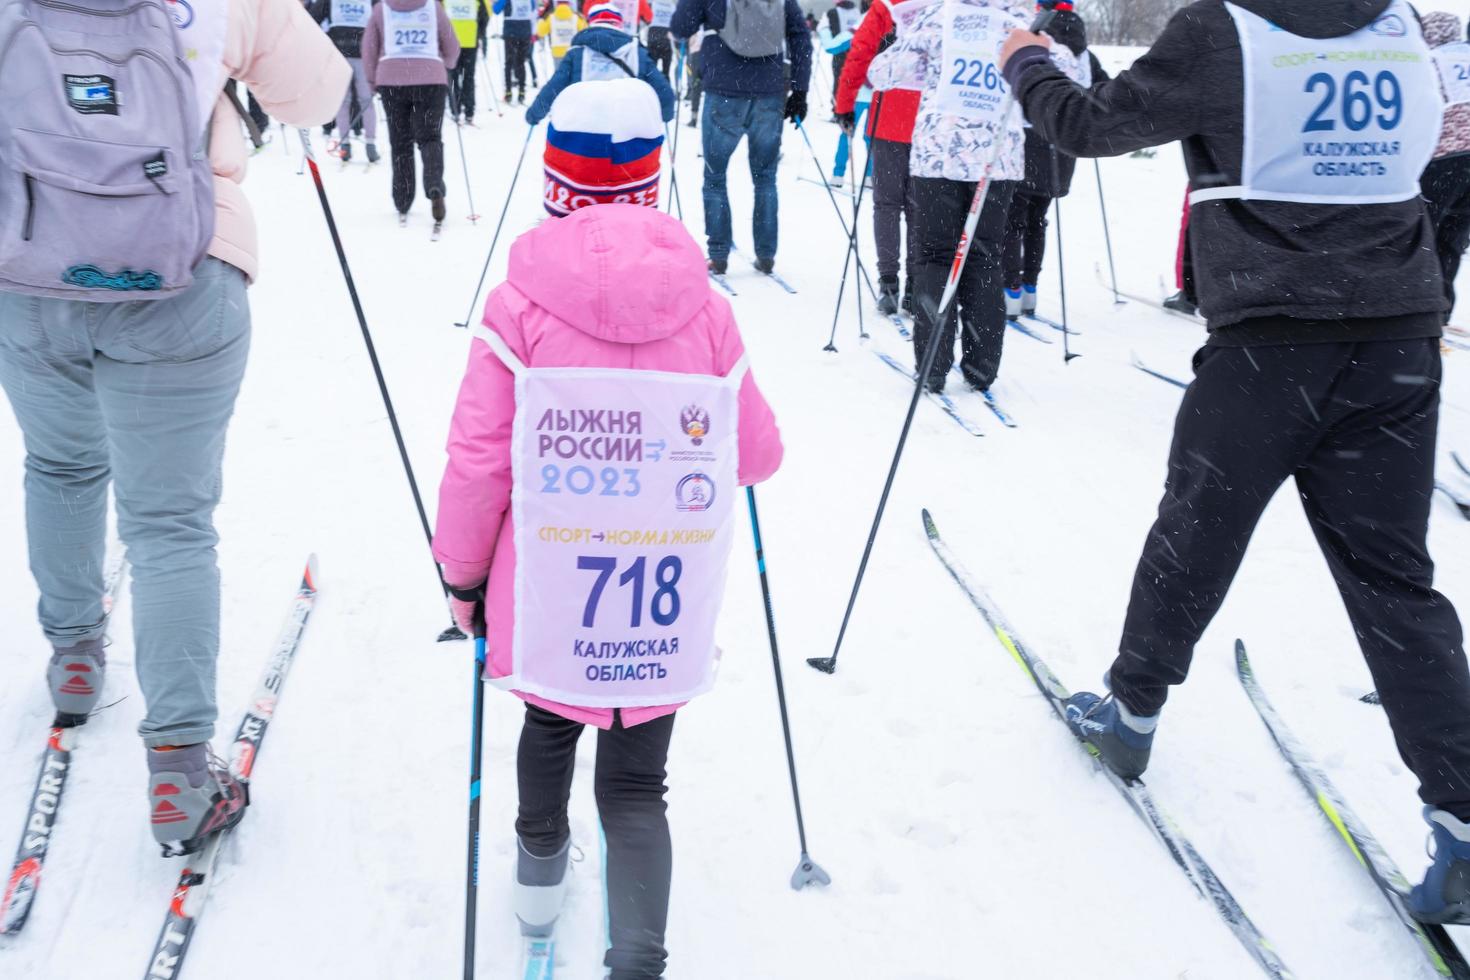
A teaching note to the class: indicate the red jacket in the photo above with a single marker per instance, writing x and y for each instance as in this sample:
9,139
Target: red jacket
895,109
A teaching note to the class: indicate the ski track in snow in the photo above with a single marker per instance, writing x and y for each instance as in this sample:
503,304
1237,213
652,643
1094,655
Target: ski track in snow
966,834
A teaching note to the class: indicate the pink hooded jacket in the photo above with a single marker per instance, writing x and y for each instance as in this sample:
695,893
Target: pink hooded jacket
618,286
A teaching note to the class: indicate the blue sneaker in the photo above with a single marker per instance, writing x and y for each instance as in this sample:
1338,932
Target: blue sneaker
1123,740
1444,895
1028,298
1013,304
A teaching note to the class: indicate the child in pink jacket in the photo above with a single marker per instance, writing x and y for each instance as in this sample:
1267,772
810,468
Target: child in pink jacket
592,507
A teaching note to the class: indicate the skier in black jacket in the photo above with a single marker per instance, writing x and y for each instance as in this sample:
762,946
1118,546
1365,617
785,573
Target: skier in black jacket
1316,266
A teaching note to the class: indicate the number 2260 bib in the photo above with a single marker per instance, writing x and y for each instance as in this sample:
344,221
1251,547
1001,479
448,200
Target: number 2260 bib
624,483
970,83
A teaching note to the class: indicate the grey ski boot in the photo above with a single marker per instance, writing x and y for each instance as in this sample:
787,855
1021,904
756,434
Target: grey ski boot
539,888
192,794
75,675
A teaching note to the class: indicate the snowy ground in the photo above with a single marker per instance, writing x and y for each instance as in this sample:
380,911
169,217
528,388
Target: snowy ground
966,834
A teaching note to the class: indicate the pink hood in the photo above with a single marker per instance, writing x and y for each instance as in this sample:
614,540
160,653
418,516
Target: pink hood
615,285
577,269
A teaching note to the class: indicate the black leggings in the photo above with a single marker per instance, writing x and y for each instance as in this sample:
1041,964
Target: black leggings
629,785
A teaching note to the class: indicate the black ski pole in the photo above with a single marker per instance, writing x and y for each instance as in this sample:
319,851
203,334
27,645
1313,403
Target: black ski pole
1107,233
938,315
832,196
499,225
852,246
477,735
453,632
1067,356
807,871
457,97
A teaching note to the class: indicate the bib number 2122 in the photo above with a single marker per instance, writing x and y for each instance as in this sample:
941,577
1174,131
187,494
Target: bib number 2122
1361,102
665,605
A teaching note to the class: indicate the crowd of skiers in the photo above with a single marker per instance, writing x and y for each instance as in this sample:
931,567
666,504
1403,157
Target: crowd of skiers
1325,287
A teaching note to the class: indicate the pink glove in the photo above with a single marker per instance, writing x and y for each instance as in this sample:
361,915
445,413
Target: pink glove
467,605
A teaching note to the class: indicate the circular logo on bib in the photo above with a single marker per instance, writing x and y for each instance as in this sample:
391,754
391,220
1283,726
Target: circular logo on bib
183,13
695,493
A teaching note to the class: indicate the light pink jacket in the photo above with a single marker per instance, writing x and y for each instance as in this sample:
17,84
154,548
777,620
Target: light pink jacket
299,79
616,285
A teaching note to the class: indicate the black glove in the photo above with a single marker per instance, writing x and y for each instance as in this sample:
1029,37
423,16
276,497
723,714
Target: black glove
847,120
796,107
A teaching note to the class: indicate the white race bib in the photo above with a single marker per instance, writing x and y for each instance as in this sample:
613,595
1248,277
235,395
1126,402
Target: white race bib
970,82
663,12
1453,62
624,485
563,29
411,33
629,9
203,27
1348,120
351,13
598,67
520,10
461,10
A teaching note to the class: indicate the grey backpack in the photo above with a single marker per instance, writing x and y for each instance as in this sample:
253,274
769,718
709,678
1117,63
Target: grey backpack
106,192
755,28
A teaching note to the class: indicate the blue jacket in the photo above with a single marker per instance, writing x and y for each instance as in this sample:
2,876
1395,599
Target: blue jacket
609,42
724,72
514,28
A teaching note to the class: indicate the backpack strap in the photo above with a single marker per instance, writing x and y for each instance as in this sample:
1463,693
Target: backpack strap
232,93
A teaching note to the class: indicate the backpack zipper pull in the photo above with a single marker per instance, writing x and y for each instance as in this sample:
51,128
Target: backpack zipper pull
30,208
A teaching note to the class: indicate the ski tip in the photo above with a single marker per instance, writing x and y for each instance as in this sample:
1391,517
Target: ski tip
308,577
1372,697
827,665
930,528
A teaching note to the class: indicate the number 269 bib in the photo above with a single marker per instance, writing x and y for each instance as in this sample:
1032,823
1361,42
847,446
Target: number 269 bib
623,486
1345,120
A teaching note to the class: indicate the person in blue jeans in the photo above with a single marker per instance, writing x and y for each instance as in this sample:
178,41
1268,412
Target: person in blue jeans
746,94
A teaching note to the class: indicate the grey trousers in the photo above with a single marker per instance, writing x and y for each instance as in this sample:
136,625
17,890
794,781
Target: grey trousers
137,395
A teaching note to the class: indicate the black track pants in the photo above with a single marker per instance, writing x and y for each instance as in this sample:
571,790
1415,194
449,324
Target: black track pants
1354,424
415,120
940,208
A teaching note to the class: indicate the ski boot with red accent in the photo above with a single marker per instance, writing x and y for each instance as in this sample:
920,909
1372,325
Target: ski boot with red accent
192,795
75,675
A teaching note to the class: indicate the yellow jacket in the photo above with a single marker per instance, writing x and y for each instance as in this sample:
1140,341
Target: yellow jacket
466,29
561,25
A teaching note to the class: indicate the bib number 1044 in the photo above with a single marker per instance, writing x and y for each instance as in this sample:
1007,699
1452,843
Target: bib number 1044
665,605
1362,102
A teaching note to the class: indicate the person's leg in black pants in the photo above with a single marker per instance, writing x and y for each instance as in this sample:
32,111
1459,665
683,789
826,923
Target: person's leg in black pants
398,105
890,200
981,296
545,761
1037,206
1367,489
630,801
1013,252
940,206
463,86
428,134
515,65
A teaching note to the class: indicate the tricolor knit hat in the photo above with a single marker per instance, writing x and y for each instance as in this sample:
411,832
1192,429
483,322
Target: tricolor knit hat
605,14
603,146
